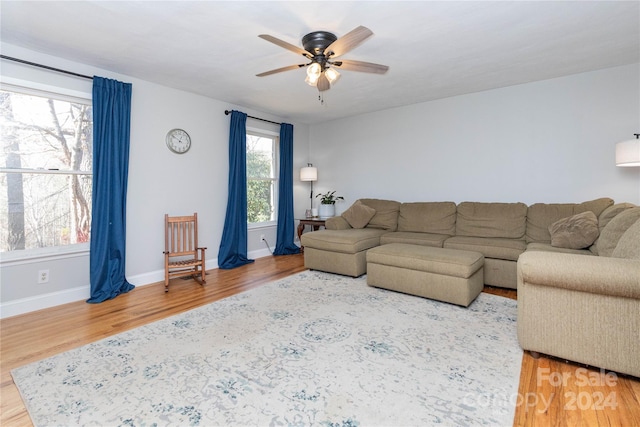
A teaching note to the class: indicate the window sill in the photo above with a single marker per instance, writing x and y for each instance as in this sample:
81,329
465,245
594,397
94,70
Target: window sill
29,256
260,225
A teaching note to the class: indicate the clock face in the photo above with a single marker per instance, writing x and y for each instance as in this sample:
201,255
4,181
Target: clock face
178,141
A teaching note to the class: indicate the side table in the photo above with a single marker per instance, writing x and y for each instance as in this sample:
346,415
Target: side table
315,224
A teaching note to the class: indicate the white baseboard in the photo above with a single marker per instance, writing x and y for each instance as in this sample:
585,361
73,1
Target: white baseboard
82,293
39,302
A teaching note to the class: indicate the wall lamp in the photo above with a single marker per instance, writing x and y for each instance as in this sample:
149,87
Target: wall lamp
628,152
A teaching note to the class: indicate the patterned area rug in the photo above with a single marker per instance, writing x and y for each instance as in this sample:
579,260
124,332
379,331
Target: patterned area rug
311,349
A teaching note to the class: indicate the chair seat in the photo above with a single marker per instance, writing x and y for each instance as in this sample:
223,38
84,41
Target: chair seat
185,263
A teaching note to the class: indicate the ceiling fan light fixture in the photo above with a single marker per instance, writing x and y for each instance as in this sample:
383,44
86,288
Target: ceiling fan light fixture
311,80
332,75
314,70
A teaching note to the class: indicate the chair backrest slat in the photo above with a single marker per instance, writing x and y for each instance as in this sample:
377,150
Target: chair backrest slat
181,236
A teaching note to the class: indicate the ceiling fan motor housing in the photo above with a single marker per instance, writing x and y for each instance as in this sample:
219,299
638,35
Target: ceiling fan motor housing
317,41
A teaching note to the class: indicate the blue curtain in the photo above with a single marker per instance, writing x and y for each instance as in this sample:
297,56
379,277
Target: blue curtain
233,247
286,222
111,123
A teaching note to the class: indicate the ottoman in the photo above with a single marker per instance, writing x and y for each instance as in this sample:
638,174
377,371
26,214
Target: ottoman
450,275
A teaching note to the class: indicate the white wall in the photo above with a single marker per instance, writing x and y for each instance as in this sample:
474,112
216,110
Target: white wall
159,182
550,141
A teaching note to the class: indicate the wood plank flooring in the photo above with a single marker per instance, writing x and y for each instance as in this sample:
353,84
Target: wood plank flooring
542,402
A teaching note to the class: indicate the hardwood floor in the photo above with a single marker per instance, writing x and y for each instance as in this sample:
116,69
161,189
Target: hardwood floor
543,398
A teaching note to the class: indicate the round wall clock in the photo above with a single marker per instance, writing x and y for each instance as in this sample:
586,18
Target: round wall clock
178,141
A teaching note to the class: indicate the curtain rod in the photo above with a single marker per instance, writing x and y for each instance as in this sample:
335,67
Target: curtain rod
22,61
227,112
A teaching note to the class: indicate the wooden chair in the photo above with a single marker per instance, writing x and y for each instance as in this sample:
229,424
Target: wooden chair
182,256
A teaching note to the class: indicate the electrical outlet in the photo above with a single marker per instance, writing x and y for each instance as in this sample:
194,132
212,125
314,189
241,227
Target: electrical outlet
43,276
262,237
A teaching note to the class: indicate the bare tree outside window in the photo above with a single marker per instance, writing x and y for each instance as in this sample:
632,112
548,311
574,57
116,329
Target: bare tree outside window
45,171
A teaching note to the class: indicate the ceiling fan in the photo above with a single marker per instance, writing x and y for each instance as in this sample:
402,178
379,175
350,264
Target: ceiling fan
322,48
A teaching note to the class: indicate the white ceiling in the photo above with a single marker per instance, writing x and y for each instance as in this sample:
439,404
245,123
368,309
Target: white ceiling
434,49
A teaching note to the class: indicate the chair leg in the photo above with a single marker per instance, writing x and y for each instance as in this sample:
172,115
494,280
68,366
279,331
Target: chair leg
166,282
198,276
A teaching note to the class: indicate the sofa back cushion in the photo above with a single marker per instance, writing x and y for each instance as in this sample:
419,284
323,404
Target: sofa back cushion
606,216
611,212
386,217
428,217
503,220
629,244
613,231
541,215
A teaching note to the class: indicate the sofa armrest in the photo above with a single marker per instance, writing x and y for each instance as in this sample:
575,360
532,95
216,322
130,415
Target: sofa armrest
593,274
337,223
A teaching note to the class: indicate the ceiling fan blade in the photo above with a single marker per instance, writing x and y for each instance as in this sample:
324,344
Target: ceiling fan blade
323,83
364,67
279,70
284,44
348,42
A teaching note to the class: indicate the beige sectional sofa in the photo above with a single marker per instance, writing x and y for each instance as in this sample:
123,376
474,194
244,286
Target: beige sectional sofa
574,302
500,231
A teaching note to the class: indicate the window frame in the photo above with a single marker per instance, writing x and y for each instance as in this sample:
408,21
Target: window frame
49,253
275,136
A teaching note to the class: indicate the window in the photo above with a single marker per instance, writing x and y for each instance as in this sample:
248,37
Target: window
45,169
262,181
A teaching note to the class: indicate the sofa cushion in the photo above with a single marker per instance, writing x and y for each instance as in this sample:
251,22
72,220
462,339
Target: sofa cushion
611,212
386,217
428,217
358,215
613,231
575,232
541,215
343,241
606,216
498,248
500,220
546,247
423,239
629,244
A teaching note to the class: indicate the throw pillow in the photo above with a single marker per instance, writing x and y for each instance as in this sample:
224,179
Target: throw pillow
358,215
575,232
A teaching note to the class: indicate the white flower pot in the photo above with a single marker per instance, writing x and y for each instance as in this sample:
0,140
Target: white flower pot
326,211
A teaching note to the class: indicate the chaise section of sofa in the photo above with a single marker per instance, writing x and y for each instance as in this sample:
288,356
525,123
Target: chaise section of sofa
342,249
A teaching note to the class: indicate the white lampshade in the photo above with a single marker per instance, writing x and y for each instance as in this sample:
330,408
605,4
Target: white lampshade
309,173
628,152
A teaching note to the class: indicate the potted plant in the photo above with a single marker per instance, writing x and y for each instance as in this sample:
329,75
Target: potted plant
328,204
